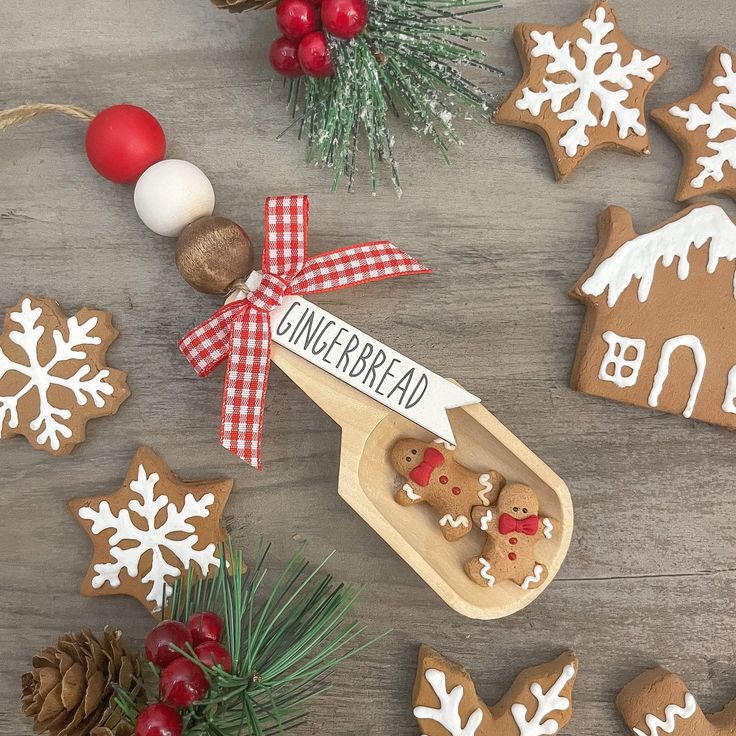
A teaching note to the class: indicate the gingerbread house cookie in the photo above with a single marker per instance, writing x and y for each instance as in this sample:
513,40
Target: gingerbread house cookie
659,309
584,87
433,476
657,702
538,702
704,128
514,527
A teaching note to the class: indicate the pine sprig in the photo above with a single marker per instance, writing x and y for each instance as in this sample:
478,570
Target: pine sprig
285,632
409,61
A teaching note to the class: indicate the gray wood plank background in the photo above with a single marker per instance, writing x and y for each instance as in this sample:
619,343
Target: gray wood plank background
651,573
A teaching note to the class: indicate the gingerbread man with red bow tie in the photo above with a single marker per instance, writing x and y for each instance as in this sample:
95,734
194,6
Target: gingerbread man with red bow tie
434,476
514,527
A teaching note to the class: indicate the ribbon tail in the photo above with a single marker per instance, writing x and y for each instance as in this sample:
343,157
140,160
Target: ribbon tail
246,382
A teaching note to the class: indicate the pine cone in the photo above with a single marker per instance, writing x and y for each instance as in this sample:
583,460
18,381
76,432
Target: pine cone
238,6
70,691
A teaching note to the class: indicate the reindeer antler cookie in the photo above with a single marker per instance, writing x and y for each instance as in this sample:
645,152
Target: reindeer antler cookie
435,477
514,527
446,703
657,702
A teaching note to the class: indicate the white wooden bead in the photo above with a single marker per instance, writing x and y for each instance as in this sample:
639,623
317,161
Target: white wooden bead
171,194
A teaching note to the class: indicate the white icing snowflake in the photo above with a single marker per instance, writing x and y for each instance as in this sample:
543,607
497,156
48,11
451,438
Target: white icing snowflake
719,119
448,713
548,702
149,537
610,84
50,422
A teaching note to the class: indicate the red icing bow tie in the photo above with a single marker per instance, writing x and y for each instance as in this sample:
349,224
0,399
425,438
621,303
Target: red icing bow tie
430,462
508,524
241,330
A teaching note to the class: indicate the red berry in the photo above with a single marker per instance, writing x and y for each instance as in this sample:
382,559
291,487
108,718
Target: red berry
158,720
123,141
211,653
282,56
159,639
314,56
296,18
205,626
182,683
344,18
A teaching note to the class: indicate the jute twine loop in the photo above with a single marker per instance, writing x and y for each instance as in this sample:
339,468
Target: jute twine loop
24,113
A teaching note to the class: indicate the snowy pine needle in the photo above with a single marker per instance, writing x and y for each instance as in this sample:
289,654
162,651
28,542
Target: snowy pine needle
284,631
409,61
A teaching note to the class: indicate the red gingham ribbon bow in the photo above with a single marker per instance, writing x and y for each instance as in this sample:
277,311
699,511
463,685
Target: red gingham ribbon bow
241,330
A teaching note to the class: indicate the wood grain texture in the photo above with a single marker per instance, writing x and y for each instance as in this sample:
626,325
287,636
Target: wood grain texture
651,573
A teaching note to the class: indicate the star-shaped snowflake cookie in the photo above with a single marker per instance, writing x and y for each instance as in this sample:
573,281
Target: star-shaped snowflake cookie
704,128
53,377
152,529
584,87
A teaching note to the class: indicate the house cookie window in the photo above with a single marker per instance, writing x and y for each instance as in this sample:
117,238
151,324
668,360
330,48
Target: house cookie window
622,360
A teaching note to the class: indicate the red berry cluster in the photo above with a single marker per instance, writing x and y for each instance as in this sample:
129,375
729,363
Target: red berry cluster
303,47
182,682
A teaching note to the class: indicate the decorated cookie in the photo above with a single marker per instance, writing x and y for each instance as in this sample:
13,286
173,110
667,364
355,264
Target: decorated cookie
434,476
514,527
53,377
657,702
539,701
145,534
659,308
704,127
583,87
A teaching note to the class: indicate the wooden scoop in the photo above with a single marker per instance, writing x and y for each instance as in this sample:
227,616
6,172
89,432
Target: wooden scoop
368,482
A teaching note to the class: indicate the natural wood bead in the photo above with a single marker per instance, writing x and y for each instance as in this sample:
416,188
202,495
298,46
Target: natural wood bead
212,252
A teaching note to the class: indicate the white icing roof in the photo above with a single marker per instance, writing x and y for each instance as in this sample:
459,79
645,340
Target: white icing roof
638,258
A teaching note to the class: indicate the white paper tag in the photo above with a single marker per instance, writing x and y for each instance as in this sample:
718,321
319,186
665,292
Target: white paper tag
366,364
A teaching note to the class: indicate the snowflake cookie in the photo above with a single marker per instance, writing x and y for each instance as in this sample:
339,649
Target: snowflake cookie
583,87
53,377
704,128
145,534
538,703
657,702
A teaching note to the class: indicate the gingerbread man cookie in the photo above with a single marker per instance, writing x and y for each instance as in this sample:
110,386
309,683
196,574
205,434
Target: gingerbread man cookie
434,476
584,88
538,702
514,527
704,128
657,702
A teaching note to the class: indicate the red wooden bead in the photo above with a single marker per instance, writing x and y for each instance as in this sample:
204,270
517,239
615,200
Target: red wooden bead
314,56
158,719
296,18
123,141
344,18
283,57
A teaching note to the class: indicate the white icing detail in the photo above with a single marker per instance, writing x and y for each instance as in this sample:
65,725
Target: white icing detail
454,522
610,84
50,422
638,258
729,402
719,119
656,726
447,445
485,481
485,520
547,703
663,369
151,538
448,714
548,526
615,356
410,492
485,567
535,577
